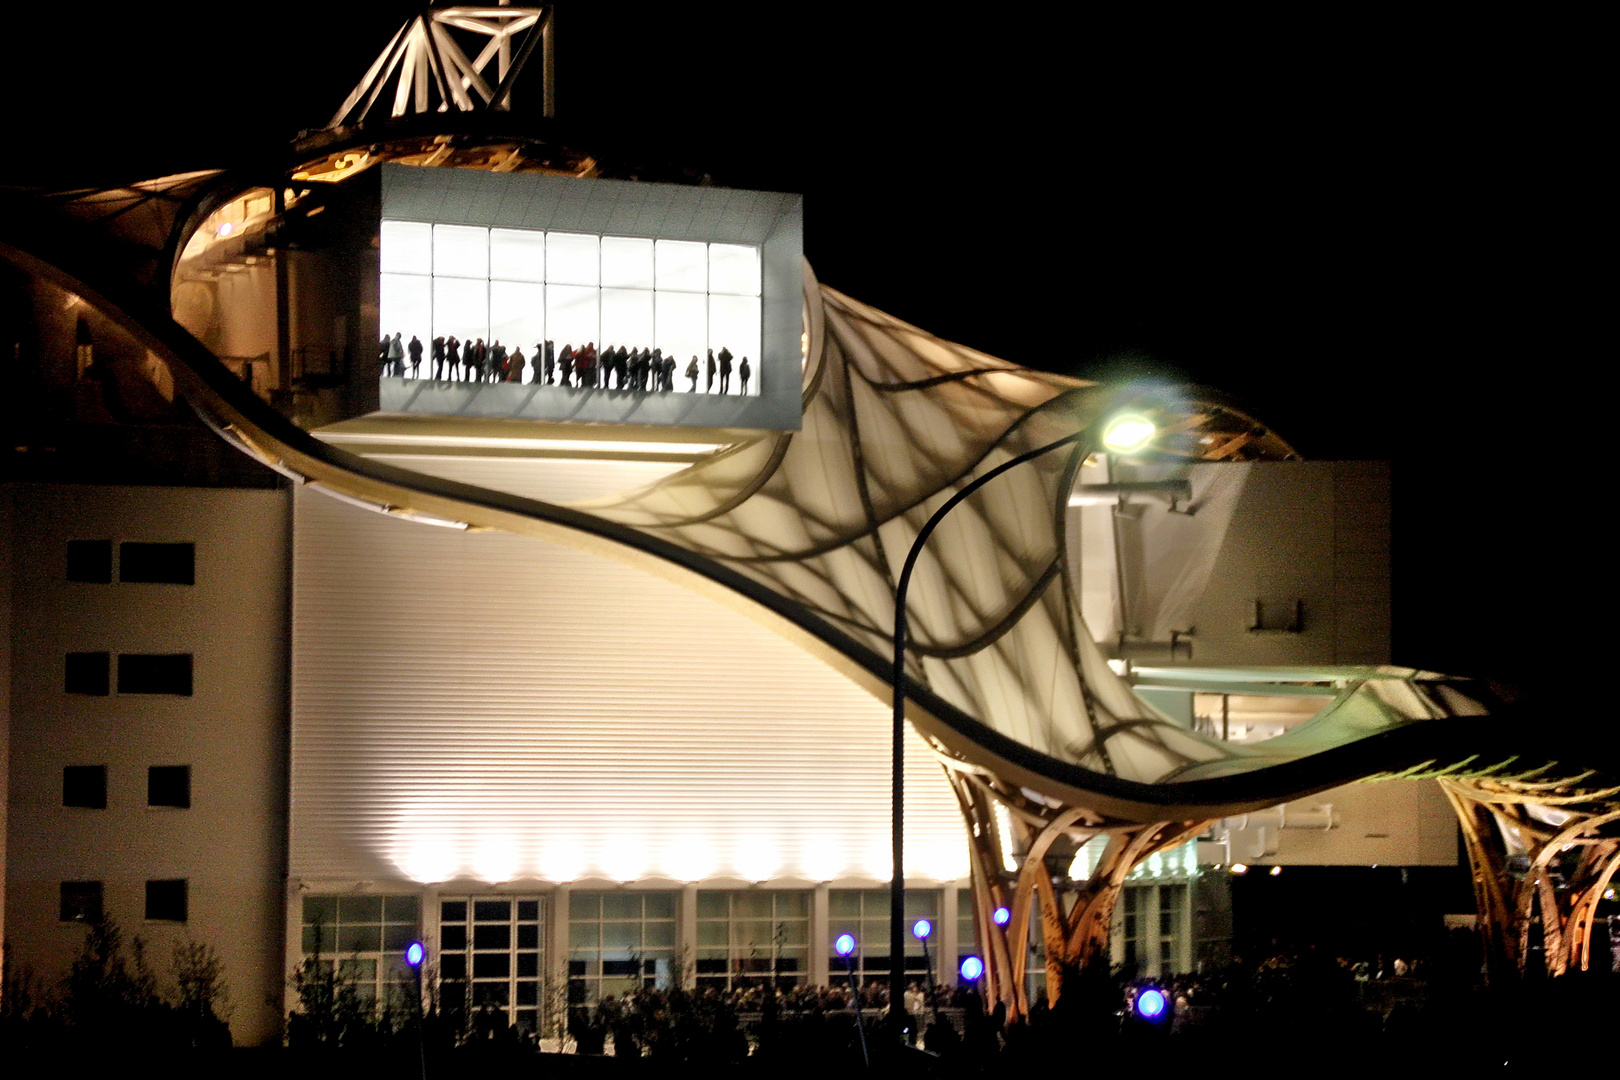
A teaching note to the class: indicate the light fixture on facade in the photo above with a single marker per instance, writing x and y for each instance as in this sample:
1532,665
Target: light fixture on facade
1240,868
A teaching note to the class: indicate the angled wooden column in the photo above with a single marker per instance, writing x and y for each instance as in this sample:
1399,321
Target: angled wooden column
1571,840
1010,871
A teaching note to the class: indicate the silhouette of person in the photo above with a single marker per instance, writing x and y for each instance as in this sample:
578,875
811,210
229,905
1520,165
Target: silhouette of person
549,352
516,362
725,370
668,374
415,349
452,354
566,362
396,354
708,386
742,374
497,361
438,357
692,372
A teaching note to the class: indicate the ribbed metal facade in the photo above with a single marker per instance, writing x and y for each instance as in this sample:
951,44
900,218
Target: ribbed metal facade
486,707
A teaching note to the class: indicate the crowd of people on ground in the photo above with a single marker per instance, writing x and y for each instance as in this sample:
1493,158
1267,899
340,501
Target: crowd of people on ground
643,370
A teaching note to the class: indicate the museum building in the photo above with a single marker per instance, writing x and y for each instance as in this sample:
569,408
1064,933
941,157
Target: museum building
244,707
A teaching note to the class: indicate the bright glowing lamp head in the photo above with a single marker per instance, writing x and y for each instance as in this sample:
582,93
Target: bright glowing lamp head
1276,870
972,968
1001,916
225,228
921,929
415,953
1150,1004
1128,433
844,944
1240,868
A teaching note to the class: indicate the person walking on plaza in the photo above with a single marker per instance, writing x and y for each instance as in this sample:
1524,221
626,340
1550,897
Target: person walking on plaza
692,372
415,349
742,374
725,370
708,386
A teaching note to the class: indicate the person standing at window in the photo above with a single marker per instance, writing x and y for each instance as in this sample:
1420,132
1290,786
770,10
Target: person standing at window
742,374
692,372
725,370
452,353
566,363
438,357
708,386
396,354
549,352
515,365
415,349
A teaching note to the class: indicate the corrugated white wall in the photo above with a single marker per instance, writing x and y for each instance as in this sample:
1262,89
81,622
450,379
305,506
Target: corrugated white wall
495,708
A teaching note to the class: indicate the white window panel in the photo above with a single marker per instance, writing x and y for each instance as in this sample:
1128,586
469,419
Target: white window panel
460,251
627,263
572,259
734,269
517,254
517,314
407,247
627,317
461,307
572,316
682,266
406,304
734,324
682,325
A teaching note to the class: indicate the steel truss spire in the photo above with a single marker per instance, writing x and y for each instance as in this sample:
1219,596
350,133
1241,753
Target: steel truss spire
430,71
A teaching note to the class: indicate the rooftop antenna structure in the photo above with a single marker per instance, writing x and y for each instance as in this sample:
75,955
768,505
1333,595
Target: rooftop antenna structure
431,72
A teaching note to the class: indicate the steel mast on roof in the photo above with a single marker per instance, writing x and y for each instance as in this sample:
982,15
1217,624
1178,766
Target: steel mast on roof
431,72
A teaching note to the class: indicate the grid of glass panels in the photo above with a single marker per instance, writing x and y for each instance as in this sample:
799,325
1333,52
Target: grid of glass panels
522,287
366,937
967,929
745,937
490,956
865,913
619,942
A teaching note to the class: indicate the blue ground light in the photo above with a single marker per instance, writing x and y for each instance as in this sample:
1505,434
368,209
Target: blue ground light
1150,1004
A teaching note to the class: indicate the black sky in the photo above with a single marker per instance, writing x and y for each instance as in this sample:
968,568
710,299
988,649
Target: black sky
1364,226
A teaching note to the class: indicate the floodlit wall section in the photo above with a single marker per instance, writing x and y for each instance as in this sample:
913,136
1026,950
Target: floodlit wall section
522,287
491,708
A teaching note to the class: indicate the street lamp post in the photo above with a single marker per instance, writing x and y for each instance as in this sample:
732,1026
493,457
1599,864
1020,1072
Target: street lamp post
845,946
897,884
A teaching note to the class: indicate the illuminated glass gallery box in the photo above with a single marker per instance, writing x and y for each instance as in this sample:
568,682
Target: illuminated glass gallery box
629,302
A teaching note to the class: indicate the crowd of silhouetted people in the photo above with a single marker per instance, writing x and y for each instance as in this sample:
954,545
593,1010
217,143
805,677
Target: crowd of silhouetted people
643,370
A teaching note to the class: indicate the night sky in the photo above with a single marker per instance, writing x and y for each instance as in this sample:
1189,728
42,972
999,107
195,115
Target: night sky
1363,227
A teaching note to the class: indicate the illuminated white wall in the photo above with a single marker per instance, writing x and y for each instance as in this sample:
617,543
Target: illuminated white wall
523,286
495,708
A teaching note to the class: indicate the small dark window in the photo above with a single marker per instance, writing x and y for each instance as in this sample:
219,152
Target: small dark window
86,673
89,560
166,900
85,785
168,564
145,673
81,902
169,785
